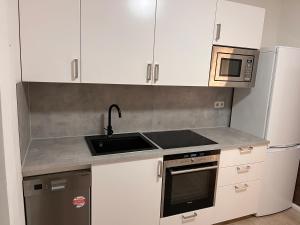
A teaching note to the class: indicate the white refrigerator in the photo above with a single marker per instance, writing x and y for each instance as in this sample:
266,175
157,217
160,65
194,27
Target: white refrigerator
271,110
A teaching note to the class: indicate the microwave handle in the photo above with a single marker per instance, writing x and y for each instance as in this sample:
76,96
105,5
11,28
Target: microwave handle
218,33
177,172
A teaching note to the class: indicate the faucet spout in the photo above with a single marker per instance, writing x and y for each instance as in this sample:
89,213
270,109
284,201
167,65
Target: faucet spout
109,126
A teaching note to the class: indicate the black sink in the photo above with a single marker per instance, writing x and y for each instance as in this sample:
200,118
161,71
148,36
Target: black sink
118,143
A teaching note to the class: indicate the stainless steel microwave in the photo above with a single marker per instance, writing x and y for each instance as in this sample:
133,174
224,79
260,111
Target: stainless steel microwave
233,67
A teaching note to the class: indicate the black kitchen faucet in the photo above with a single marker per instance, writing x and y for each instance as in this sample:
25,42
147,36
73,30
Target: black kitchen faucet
109,127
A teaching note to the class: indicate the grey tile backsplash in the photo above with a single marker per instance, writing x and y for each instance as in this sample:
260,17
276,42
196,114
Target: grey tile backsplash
81,109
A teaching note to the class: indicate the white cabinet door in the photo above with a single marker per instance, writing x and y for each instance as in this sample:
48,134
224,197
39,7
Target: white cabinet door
239,25
183,41
50,40
126,193
117,41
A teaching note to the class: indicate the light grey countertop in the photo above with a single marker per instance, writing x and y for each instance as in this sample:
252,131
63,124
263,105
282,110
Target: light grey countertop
72,153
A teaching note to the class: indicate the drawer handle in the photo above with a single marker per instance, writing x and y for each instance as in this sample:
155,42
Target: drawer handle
193,170
246,150
243,188
244,169
189,217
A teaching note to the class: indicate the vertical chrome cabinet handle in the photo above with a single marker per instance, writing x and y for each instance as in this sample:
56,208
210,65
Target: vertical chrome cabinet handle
75,69
149,72
218,33
189,217
160,169
156,72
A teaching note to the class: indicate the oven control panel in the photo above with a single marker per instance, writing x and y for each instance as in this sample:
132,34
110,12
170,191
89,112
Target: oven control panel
192,158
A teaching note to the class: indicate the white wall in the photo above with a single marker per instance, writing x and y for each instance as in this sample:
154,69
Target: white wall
289,29
10,152
281,22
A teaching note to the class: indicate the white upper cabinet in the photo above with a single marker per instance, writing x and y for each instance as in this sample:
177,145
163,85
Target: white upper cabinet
50,40
117,41
183,42
139,42
127,193
239,25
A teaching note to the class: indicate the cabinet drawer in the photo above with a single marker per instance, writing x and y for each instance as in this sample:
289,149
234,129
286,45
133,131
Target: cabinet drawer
243,155
240,173
199,217
234,201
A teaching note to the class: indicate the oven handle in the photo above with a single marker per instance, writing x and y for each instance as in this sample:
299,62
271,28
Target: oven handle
193,170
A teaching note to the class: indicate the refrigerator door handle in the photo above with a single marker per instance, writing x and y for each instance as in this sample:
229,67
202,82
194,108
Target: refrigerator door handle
285,146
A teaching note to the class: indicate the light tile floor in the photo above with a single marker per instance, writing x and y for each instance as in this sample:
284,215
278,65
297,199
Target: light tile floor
288,217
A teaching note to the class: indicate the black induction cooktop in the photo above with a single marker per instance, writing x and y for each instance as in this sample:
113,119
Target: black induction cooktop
178,139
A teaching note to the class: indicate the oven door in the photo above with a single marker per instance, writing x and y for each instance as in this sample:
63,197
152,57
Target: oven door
234,68
189,188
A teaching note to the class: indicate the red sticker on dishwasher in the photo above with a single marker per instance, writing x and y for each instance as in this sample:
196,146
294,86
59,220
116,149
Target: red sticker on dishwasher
79,201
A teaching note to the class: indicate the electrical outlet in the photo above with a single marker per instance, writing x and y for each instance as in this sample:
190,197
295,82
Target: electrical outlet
222,104
219,105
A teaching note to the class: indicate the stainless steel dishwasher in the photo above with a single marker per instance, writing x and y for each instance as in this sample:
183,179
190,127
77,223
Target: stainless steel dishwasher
58,199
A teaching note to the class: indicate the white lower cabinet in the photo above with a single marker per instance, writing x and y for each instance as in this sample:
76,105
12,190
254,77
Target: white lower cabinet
129,193
126,193
199,217
238,200
239,182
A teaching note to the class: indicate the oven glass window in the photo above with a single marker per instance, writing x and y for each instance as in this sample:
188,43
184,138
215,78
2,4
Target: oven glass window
230,67
188,191
197,188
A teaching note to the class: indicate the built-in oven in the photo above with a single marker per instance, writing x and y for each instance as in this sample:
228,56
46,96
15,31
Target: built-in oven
233,67
189,182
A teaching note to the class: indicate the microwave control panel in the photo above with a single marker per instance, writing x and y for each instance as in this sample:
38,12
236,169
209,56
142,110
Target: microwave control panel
249,69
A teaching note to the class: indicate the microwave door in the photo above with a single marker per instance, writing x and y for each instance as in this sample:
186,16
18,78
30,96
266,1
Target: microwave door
230,68
233,67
